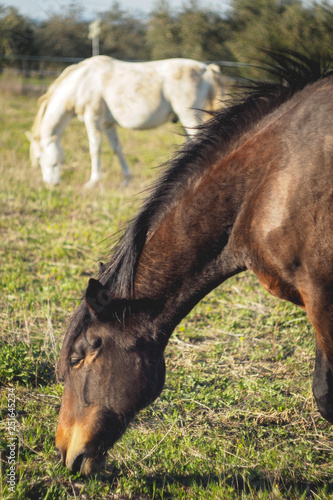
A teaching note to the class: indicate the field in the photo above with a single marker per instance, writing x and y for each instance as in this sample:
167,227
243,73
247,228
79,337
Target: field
236,420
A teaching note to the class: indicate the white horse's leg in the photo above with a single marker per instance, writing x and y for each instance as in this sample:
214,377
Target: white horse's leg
190,111
190,119
113,139
93,127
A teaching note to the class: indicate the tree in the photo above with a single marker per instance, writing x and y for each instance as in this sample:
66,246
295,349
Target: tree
64,35
278,24
191,31
16,33
162,33
255,25
122,35
310,29
193,28
202,33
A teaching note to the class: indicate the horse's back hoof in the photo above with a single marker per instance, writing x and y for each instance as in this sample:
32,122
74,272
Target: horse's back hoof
127,181
91,184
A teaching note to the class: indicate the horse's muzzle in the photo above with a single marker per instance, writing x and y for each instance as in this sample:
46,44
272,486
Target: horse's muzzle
82,462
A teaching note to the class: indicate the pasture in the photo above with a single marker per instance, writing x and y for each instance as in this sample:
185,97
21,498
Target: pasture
236,419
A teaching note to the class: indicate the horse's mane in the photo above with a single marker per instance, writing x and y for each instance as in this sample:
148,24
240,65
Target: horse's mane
45,99
35,129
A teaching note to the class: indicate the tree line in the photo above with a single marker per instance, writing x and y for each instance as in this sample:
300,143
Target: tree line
193,31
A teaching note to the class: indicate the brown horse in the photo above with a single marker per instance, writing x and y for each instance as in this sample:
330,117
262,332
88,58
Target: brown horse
253,191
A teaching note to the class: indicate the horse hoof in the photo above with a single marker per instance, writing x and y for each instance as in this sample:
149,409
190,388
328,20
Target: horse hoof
127,181
90,184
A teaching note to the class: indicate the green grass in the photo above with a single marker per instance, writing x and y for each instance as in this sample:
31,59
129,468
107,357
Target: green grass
237,417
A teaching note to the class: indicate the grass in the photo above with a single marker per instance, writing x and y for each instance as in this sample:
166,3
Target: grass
236,419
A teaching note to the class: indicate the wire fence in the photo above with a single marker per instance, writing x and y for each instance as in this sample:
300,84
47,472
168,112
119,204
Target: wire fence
43,65
31,75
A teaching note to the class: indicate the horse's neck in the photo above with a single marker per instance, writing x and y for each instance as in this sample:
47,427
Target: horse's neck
188,253
56,118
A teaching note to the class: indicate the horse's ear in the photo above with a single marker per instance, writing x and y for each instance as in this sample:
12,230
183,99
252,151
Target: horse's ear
29,136
97,296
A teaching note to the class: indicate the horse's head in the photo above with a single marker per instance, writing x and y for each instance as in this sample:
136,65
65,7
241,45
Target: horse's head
50,158
110,372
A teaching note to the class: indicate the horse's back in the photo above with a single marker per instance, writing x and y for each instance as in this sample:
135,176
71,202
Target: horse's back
81,84
143,95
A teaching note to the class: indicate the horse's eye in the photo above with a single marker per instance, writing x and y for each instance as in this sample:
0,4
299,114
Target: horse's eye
74,361
96,343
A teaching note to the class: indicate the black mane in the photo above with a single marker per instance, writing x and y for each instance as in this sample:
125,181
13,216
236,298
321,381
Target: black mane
212,141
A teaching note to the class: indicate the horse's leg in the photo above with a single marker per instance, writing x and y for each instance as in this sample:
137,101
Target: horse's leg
111,133
320,312
323,383
92,123
190,120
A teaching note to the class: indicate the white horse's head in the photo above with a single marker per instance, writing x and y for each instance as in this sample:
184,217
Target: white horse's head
51,158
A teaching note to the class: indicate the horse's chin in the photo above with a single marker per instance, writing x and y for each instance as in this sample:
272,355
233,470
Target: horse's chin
51,173
51,180
51,183
92,465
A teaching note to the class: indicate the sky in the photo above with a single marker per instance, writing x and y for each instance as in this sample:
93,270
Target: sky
40,9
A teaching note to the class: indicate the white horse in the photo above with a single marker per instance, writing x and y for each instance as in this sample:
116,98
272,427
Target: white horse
104,92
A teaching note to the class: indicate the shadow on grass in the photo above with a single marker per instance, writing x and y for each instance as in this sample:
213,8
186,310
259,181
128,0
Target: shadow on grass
253,481
230,484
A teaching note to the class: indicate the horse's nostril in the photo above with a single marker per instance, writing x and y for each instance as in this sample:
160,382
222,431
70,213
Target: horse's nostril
76,465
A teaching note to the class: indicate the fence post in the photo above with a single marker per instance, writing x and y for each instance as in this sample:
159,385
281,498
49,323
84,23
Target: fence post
93,35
